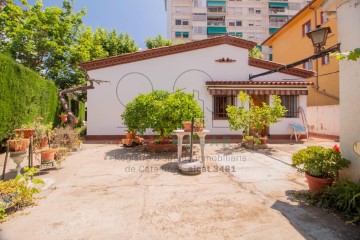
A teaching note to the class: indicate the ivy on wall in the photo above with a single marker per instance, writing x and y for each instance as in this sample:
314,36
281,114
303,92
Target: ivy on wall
24,96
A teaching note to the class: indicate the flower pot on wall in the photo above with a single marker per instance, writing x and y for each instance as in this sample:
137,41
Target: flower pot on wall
18,145
187,126
24,132
63,118
316,184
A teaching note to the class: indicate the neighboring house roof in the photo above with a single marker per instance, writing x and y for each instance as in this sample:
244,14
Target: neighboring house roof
164,51
299,72
311,5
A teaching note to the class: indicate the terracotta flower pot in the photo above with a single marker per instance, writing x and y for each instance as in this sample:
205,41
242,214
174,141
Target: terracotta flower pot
316,184
48,155
44,142
130,135
25,132
18,145
187,126
263,140
63,118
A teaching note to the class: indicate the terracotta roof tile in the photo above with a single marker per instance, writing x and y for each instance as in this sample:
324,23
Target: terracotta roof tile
269,65
164,51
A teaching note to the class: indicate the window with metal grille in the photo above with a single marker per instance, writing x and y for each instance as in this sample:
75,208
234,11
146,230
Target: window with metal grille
291,104
220,105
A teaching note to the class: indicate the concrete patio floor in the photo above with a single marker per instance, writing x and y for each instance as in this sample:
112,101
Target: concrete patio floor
111,192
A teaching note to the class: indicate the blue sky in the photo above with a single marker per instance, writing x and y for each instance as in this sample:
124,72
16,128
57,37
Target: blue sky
139,18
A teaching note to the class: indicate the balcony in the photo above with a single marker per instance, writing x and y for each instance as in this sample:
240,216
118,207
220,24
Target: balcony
216,23
278,11
216,11
276,24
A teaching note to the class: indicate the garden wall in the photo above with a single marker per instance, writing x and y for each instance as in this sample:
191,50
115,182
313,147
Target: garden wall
324,120
24,96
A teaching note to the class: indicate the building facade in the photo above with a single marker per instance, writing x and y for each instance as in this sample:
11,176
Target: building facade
253,20
207,68
323,98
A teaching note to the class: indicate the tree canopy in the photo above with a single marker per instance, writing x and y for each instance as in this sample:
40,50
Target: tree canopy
157,41
256,53
161,111
53,41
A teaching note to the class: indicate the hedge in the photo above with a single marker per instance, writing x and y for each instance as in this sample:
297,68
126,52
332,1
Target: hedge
24,96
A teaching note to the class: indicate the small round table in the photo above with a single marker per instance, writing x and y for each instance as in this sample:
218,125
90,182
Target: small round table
189,166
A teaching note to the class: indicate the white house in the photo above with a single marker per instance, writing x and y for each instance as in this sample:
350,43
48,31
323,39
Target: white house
215,70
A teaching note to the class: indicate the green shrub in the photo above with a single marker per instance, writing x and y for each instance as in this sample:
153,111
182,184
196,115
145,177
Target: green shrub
161,111
24,97
17,192
342,197
319,161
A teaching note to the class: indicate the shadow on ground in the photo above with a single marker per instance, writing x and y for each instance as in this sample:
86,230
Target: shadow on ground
312,222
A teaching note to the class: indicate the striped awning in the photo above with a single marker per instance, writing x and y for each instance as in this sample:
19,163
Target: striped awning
234,92
233,88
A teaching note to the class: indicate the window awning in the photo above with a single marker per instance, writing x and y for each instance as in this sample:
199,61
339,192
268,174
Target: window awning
279,4
272,30
216,30
232,88
216,4
235,92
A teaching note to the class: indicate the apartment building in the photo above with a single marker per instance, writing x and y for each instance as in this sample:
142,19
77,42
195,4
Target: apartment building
254,20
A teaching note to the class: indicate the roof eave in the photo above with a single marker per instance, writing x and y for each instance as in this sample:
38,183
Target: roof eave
299,72
164,51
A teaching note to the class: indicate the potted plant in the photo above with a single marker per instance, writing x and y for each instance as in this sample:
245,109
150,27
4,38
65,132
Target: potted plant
48,155
43,132
249,140
320,165
26,130
18,144
162,112
198,125
249,116
263,140
130,133
60,155
63,117
187,126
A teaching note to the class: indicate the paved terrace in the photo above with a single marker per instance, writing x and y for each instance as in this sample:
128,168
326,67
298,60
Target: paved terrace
111,192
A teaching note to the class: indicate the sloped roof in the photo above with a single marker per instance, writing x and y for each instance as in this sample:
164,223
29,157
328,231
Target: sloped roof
164,51
269,65
210,42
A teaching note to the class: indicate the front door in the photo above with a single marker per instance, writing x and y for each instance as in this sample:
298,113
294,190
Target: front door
258,100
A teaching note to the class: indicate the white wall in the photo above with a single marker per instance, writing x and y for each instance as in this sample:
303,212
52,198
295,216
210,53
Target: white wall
283,127
188,71
324,119
348,15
